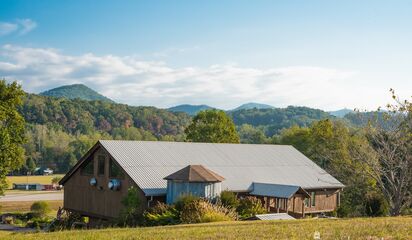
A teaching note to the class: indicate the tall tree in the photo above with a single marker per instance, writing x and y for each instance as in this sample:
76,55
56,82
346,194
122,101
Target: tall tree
212,126
329,143
390,164
11,130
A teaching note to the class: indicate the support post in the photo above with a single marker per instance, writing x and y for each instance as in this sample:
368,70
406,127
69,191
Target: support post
303,207
287,205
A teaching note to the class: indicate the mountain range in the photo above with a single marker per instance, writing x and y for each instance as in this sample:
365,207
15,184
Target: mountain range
83,92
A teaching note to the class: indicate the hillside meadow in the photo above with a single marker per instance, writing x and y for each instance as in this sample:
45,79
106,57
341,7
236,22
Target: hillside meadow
357,228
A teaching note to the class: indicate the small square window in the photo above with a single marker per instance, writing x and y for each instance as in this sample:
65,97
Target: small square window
101,165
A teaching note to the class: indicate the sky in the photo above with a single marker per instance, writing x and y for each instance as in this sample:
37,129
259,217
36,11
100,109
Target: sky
321,54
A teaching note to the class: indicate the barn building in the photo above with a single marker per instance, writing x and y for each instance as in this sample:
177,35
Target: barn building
283,178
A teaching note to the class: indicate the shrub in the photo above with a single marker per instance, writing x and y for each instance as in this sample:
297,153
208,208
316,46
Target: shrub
199,211
250,206
131,213
56,180
229,199
161,214
40,209
375,205
183,200
38,223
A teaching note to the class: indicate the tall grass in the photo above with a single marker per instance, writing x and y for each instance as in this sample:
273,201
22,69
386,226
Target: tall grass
358,228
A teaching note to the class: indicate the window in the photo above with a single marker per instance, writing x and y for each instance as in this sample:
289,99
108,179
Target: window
115,170
88,168
101,160
306,202
312,199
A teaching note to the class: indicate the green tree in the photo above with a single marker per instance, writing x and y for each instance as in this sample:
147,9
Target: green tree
212,126
131,212
389,162
331,144
250,134
11,130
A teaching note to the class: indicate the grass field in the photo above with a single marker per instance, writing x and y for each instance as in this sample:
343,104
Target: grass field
31,179
360,228
25,206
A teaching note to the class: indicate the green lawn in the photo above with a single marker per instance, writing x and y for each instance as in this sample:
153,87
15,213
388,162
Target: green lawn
359,228
31,179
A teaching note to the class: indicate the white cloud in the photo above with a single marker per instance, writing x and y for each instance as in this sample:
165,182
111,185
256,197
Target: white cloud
138,82
19,26
26,25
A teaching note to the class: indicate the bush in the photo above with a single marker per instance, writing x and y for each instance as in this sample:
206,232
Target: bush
229,199
38,223
250,206
161,214
183,200
200,211
40,209
376,206
56,180
131,213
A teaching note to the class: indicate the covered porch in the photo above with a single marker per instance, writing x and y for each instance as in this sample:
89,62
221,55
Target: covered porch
278,198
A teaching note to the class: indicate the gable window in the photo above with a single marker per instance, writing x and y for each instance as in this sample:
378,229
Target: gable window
115,171
312,199
100,166
88,168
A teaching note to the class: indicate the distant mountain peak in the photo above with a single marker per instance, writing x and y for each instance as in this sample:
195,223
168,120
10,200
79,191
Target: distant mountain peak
189,109
252,105
341,112
74,91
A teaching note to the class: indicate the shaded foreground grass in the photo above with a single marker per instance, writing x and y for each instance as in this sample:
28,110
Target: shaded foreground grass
31,179
359,228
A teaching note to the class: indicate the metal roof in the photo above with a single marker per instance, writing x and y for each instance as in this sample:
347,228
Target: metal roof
147,163
275,190
274,216
195,173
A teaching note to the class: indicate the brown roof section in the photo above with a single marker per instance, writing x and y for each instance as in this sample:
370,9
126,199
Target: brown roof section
195,173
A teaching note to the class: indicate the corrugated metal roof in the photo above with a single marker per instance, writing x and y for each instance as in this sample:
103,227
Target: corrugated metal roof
147,163
274,190
274,216
195,173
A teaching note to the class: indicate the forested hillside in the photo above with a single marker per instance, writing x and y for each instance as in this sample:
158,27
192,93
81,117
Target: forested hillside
60,130
275,119
75,91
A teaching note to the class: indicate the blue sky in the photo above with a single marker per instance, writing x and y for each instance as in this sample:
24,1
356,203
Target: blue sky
323,54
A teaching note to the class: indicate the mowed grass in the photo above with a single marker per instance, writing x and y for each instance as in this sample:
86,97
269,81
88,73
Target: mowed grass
31,179
359,228
7,207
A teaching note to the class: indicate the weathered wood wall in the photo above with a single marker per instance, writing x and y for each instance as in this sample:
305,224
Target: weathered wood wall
97,201
325,201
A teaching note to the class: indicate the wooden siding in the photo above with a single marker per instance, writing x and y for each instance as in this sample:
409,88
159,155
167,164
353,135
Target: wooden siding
97,201
325,201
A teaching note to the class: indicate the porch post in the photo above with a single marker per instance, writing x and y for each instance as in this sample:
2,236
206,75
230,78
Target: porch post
303,207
